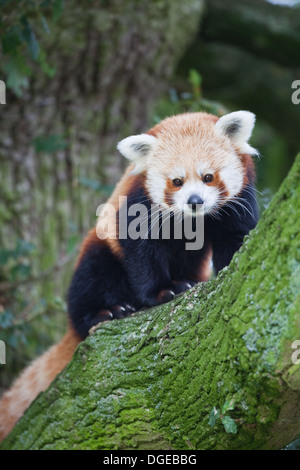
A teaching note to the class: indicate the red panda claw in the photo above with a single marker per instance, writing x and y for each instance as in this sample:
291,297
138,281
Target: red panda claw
165,295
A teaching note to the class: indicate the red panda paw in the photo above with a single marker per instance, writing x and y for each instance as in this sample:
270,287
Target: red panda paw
103,315
121,311
181,286
116,311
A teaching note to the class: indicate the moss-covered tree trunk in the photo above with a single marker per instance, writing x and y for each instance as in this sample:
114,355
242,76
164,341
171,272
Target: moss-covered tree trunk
152,380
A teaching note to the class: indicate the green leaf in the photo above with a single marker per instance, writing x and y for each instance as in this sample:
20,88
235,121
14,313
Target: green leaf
47,69
214,415
17,73
95,185
229,425
228,405
195,78
6,319
20,271
11,40
30,38
24,247
5,256
49,144
45,24
12,340
57,9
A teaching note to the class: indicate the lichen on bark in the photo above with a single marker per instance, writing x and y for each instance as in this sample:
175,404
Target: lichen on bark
150,381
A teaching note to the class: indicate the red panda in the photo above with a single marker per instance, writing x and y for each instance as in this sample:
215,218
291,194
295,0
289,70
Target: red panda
193,164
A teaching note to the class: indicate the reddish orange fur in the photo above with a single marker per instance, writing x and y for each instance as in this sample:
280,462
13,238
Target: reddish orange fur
170,189
249,167
89,240
167,125
217,181
123,188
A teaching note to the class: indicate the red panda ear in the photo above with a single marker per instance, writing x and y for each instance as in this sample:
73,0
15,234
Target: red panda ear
136,148
238,127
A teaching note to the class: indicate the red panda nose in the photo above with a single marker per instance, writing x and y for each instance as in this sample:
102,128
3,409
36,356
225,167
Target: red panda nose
194,201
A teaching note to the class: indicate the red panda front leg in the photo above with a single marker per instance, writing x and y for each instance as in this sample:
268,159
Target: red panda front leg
148,270
191,267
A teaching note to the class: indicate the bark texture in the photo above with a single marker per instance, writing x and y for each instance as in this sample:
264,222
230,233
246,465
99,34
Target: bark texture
110,61
150,381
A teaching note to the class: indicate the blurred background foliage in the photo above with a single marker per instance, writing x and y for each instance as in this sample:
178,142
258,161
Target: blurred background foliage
82,75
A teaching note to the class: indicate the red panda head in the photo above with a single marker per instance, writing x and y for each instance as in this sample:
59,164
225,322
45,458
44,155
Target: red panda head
193,160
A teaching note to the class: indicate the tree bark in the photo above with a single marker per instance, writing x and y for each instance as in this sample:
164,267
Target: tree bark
111,61
151,381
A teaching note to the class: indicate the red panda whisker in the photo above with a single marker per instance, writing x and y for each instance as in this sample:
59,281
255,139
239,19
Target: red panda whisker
241,205
150,215
249,191
215,214
153,222
238,201
221,209
230,206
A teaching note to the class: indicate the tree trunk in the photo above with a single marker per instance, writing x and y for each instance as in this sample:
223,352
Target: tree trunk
110,62
152,380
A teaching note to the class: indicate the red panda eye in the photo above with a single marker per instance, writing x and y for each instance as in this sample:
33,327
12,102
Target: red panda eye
177,182
208,178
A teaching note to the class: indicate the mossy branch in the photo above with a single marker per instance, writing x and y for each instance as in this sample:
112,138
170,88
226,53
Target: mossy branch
152,380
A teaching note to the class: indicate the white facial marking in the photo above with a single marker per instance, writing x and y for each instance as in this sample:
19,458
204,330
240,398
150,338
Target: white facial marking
204,168
209,195
156,184
177,173
232,177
